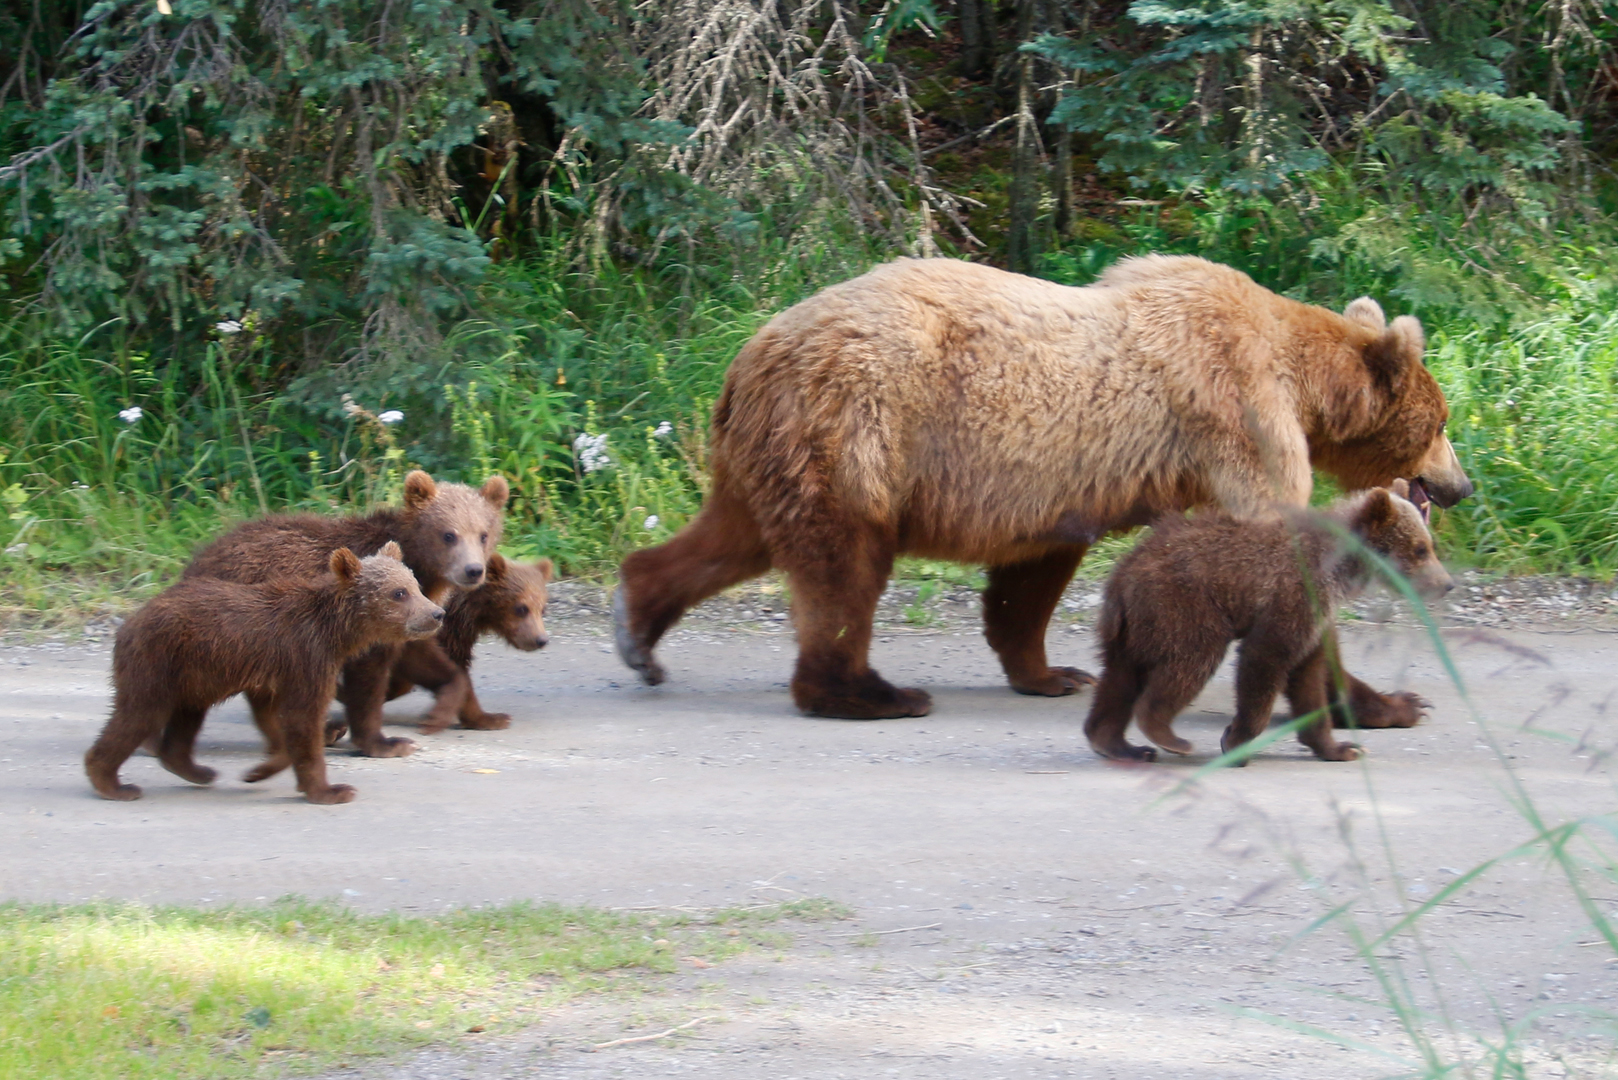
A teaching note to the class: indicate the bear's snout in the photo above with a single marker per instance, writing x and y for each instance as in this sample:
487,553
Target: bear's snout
473,572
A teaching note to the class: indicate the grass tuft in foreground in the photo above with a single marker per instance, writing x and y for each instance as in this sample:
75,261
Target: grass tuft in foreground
125,992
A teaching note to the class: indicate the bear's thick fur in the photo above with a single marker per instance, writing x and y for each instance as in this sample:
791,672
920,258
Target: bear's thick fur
511,603
279,642
447,533
1175,603
954,411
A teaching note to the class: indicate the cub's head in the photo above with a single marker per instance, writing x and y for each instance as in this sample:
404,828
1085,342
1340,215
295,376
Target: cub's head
452,528
1392,526
1388,414
518,592
390,601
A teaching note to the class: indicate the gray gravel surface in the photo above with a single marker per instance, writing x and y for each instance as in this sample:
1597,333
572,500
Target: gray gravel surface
1020,908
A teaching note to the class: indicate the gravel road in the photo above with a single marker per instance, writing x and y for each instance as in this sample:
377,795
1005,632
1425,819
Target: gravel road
1021,909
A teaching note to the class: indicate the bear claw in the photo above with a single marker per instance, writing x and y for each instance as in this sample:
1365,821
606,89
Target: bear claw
630,651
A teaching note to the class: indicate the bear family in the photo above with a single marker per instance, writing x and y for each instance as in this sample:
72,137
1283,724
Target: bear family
1178,599
953,411
280,642
511,603
447,533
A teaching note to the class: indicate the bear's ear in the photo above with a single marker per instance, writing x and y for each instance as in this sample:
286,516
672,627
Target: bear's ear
497,491
1376,512
1367,313
419,490
346,565
546,569
392,550
1391,356
494,568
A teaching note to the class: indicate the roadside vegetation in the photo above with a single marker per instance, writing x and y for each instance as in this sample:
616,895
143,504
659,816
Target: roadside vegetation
125,992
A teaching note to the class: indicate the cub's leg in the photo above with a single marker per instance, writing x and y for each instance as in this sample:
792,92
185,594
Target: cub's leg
834,599
301,727
177,744
1261,671
365,689
427,665
1120,687
1017,608
1355,704
1171,686
132,723
266,715
1306,693
721,546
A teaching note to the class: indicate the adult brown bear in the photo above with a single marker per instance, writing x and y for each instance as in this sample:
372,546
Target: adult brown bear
954,411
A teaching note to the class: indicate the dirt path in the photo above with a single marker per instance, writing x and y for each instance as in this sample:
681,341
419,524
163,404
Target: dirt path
1022,910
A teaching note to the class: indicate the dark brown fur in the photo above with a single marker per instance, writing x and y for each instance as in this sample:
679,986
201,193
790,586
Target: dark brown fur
1176,602
953,411
447,533
511,603
280,642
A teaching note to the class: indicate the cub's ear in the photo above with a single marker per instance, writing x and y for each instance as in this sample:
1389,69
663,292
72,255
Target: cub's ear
391,550
494,568
1399,349
1376,512
419,489
1400,487
497,491
1367,313
545,567
346,565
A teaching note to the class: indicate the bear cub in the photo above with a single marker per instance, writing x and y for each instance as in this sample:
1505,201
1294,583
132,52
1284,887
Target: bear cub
511,603
280,642
447,532
1175,603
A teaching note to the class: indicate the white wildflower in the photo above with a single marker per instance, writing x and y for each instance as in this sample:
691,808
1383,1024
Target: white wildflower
392,416
16,549
350,406
592,452
131,414
229,326
664,430
651,522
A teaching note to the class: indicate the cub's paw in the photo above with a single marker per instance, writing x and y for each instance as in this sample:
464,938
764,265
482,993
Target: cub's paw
1127,753
1172,743
335,730
1056,682
191,771
121,793
388,747
489,721
1343,751
332,795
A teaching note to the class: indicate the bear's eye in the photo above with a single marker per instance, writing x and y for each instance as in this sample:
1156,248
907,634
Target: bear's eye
484,539
521,611
1421,551
449,538
401,595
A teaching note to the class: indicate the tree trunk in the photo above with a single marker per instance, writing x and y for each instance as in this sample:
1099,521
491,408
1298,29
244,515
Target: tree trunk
1025,162
977,37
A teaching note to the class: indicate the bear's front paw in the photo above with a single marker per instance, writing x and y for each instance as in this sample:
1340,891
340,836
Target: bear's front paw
335,730
1056,682
191,771
1343,751
121,793
332,795
388,747
489,721
1128,753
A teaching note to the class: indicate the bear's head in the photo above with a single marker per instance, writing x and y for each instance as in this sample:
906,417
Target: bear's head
386,594
1393,527
452,529
1390,413
518,592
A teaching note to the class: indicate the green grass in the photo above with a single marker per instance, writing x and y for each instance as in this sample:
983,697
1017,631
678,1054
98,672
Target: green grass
97,513
125,992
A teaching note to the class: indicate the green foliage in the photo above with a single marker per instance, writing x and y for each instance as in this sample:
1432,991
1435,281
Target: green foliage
123,991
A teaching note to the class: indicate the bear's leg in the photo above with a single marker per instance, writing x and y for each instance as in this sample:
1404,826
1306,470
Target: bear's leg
834,600
267,717
365,689
1017,608
178,743
718,548
131,724
1306,693
1169,689
301,723
427,665
473,716
1261,671
1120,686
